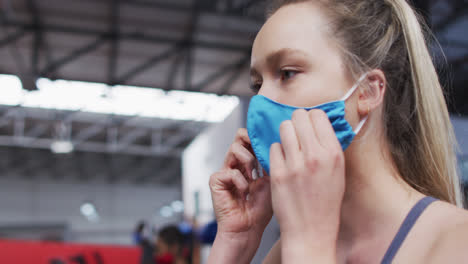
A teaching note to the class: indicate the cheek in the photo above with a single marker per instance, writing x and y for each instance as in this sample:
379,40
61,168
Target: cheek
313,89
352,115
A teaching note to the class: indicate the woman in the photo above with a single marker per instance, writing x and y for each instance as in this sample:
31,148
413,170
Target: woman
367,204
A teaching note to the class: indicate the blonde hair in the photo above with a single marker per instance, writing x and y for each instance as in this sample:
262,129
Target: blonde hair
388,35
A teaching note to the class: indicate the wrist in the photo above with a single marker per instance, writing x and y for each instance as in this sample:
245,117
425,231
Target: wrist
306,249
234,248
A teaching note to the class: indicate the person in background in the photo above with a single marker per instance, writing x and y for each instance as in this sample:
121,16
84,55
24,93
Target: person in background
142,240
170,246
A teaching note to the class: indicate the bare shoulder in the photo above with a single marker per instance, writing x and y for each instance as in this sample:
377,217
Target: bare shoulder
451,235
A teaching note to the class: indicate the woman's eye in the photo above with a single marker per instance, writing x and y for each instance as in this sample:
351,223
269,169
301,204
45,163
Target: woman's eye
255,87
287,74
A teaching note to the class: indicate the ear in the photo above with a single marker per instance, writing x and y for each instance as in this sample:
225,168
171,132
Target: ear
372,92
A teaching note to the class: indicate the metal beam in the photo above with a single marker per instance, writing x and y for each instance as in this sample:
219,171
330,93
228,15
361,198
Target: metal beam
44,143
149,63
173,71
130,137
176,139
184,8
190,36
114,28
13,37
87,133
221,72
236,74
188,68
136,36
37,41
9,114
72,56
37,131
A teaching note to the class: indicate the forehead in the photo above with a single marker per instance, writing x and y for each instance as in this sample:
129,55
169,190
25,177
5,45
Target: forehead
300,26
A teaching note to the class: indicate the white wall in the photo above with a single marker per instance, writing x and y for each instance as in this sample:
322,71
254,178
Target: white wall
32,202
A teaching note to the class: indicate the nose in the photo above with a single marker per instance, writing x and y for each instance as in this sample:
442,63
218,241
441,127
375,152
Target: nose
268,90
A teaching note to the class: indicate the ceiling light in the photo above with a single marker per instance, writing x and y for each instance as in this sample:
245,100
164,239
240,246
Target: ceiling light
118,100
88,210
166,211
61,146
177,206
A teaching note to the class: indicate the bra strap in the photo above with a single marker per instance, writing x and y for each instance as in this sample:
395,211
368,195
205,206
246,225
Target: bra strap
406,227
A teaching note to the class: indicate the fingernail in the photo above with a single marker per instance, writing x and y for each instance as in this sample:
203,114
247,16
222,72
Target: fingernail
254,174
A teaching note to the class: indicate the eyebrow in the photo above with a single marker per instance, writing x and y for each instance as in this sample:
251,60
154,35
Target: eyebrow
274,57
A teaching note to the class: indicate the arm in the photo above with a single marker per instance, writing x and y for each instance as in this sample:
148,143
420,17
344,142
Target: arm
241,221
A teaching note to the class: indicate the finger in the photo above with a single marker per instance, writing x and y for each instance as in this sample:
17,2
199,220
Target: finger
238,157
304,131
289,142
226,179
323,129
277,160
246,159
240,182
242,137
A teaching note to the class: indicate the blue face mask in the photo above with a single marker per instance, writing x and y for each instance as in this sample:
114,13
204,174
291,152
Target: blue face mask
265,116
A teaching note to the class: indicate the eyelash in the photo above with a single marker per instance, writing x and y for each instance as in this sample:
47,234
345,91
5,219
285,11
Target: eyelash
255,87
284,72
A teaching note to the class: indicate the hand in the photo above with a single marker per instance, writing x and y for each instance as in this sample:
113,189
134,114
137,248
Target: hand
307,183
239,218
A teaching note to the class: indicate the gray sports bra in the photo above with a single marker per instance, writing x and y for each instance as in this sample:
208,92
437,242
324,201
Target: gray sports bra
406,227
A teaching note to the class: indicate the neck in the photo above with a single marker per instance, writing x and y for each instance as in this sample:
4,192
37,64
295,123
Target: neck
376,199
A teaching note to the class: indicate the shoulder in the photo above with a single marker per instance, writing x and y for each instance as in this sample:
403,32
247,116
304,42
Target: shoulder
451,235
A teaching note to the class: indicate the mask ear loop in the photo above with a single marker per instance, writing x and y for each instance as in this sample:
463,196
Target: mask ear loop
353,89
348,94
260,169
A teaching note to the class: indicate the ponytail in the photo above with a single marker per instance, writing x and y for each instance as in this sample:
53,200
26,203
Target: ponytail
436,136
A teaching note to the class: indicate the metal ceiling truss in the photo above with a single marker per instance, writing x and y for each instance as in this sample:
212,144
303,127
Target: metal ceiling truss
112,148
34,164
113,36
21,127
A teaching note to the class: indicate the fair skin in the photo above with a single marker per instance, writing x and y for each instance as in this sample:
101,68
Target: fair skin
332,207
